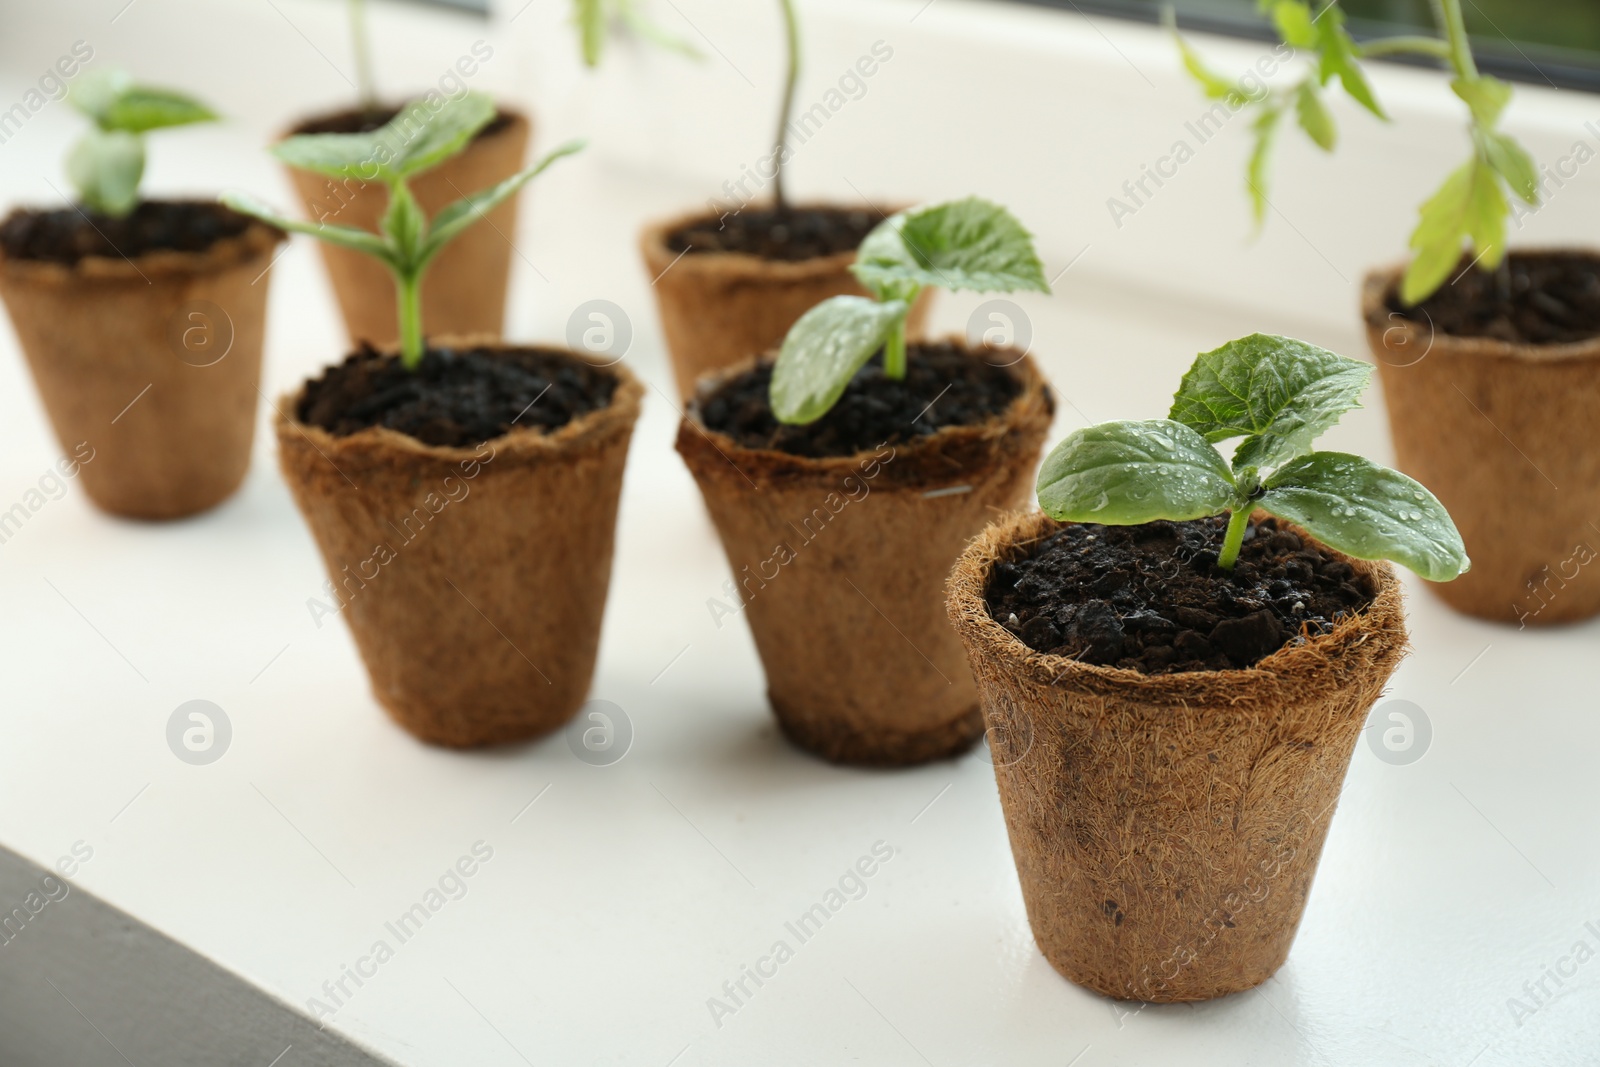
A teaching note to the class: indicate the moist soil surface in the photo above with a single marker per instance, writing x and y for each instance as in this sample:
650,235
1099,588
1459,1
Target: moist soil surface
456,397
796,234
66,235
1151,598
1535,298
365,120
943,386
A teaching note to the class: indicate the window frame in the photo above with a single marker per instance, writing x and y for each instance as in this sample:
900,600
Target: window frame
1547,72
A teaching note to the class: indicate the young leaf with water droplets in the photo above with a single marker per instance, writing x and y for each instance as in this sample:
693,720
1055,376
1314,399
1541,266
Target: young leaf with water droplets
1278,394
962,244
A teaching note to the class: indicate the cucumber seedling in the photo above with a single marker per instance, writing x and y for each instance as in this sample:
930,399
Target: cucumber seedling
1470,208
106,164
1277,395
969,244
416,139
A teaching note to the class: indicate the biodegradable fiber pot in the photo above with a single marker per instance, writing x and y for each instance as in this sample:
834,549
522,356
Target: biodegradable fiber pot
1503,434
154,362
1166,828
722,308
473,579
466,290
841,561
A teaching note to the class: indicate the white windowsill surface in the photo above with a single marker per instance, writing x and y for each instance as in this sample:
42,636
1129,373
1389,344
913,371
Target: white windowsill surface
625,896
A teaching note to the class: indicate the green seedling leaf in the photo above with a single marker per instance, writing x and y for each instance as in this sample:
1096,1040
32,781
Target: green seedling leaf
590,15
453,218
1468,205
967,244
1338,59
1369,512
823,351
139,109
344,236
1314,116
1485,96
105,167
1124,473
416,139
97,90
1294,22
1266,129
1486,216
884,263
1214,85
1513,164
404,224
1277,393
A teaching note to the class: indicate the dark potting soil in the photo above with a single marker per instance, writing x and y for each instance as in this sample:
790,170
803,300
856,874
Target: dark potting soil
1536,298
66,235
1152,598
365,120
943,387
455,398
795,234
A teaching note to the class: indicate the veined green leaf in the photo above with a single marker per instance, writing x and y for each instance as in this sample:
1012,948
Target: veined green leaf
1338,59
344,236
1486,97
1125,473
139,109
1369,512
418,138
1294,22
105,167
1314,116
823,351
962,244
1265,128
453,218
1513,164
1441,228
1277,393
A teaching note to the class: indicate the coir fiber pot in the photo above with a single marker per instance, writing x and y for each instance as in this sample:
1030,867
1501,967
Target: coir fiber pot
841,562
1166,828
473,579
1503,434
722,308
466,290
154,362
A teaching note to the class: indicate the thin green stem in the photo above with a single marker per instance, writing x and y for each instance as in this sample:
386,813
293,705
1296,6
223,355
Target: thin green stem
791,27
363,53
1238,521
894,351
408,288
1448,14
1400,46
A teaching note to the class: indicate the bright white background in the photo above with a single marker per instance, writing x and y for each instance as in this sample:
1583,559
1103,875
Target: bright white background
625,897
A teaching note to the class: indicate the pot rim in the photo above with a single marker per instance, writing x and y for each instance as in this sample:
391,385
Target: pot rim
528,443
517,116
1035,401
257,239
660,258
984,635
1380,282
